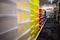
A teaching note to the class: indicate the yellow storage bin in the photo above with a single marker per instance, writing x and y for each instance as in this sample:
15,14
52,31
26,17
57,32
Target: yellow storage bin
23,28
22,16
23,5
34,18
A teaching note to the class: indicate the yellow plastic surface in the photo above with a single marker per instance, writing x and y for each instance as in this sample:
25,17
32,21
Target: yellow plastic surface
35,2
34,18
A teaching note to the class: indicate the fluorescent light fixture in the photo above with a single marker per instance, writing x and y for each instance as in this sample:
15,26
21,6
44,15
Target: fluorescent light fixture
51,1
45,7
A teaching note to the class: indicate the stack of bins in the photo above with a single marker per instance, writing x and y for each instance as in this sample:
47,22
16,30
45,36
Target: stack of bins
42,18
23,15
8,20
34,18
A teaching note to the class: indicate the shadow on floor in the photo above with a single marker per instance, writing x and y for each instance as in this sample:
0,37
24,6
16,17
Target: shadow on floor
51,30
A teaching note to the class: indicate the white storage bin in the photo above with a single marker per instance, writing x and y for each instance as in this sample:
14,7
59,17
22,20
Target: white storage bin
7,23
11,35
7,9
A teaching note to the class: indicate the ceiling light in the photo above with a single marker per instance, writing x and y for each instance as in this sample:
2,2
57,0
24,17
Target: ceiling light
51,1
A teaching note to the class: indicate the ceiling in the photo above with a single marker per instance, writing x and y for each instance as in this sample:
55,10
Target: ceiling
42,2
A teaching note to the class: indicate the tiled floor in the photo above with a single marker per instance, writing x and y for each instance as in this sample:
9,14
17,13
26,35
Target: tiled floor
51,31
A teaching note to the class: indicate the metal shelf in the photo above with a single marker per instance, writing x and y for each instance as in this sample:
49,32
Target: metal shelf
9,30
2,15
27,31
41,28
21,9
23,22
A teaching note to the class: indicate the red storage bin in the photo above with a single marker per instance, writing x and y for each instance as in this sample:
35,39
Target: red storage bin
40,18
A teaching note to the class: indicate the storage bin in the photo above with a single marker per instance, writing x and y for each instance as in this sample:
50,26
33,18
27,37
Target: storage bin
25,37
7,9
22,15
23,1
23,28
11,35
23,5
7,23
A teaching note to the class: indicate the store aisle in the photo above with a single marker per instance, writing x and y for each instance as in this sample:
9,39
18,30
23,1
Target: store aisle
51,30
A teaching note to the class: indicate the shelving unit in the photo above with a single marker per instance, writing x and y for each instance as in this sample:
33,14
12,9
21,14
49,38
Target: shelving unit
27,31
58,11
9,30
41,20
23,15
23,22
41,29
21,9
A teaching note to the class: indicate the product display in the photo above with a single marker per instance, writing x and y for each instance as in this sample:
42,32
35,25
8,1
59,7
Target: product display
29,19
37,18
42,16
34,18
58,11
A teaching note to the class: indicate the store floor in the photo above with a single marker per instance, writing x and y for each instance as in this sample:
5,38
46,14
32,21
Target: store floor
50,31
